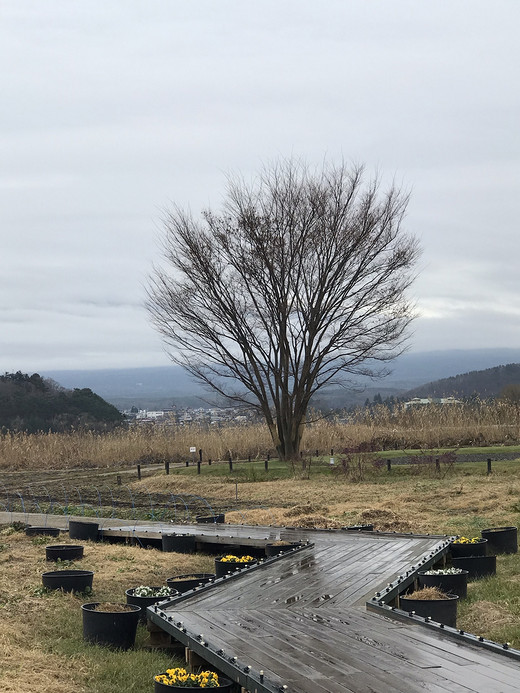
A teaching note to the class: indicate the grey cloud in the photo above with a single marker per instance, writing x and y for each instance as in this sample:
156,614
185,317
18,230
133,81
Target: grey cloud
112,112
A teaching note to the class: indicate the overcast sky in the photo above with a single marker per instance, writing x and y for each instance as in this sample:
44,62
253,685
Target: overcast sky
114,109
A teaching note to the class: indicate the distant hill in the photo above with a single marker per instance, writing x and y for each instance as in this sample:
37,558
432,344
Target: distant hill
486,383
31,403
166,386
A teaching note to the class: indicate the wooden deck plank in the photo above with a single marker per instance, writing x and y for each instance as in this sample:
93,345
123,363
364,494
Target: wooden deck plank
348,668
299,618
304,606
274,650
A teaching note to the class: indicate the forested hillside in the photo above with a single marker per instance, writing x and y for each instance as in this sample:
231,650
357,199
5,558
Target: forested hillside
487,383
31,403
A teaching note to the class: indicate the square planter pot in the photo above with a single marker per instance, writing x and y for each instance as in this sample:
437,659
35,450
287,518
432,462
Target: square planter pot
68,580
185,583
501,539
456,583
477,566
145,602
64,552
83,530
440,610
475,549
277,548
46,531
180,543
115,629
224,567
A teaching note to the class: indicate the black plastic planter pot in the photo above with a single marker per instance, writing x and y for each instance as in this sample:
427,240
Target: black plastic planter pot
476,549
68,580
501,539
225,686
47,531
83,530
440,610
206,519
477,566
145,602
456,583
277,548
115,629
181,543
185,583
224,567
64,552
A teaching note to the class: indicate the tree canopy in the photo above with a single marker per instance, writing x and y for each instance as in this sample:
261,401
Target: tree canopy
31,403
299,282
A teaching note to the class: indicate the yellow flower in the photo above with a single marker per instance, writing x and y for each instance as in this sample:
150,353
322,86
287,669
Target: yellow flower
180,677
465,540
230,558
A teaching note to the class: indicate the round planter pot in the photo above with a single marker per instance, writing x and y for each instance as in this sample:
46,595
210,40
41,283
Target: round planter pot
224,567
68,580
275,549
47,531
64,552
145,602
477,566
83,530
225,686
185,583
180,543
501,539
449,584
477,549
440,610
205,519
359,528
110,628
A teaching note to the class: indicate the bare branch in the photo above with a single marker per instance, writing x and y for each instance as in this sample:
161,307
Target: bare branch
299,282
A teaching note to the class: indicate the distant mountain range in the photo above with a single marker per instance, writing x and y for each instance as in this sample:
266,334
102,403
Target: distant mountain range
166,386
486,383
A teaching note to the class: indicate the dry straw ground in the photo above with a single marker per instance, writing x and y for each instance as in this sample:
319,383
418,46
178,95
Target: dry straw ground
459,503
41,648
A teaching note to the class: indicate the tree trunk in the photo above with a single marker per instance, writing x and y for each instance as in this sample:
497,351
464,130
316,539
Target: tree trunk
287,436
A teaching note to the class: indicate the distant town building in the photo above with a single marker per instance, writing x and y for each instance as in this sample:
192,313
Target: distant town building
423,401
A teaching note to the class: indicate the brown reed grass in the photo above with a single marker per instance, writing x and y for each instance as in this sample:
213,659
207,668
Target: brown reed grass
427,427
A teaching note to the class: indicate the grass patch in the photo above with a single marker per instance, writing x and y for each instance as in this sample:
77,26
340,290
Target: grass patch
492,607
41,644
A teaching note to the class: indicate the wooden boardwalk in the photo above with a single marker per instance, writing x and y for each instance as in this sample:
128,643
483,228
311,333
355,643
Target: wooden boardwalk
300,624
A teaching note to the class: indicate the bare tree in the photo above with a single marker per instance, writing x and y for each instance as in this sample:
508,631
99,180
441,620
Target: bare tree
298,283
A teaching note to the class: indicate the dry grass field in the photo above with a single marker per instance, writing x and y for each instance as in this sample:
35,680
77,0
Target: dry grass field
41,648
41,645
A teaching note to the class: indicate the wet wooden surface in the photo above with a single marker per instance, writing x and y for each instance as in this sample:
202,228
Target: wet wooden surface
302,622
302,619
